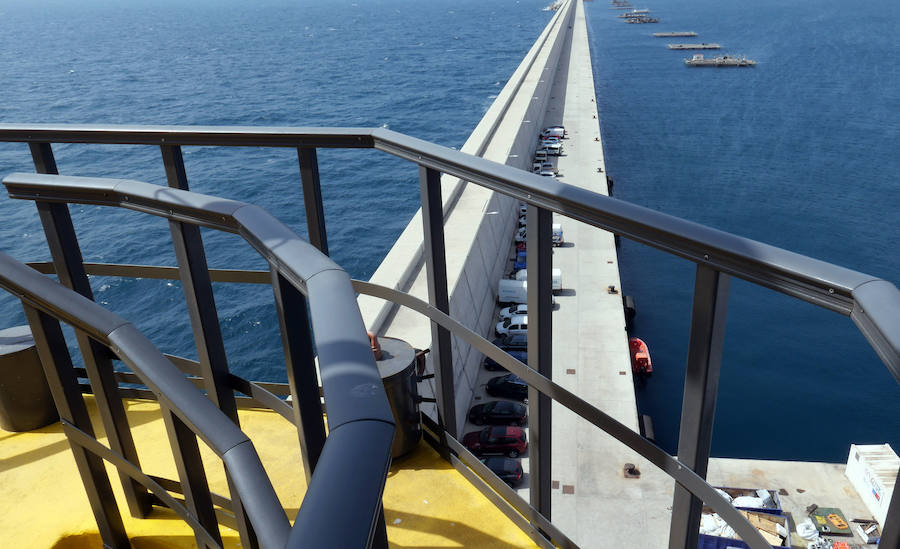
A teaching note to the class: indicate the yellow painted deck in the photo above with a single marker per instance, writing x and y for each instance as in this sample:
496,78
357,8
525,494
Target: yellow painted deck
427,502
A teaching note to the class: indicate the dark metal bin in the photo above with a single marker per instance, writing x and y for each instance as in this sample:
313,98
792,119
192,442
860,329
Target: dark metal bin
398,372
25,399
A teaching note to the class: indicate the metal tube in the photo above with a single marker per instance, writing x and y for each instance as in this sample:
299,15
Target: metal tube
57,364
436,267
701,386
296,338
312,198
67,260
201,306
540,353
192,474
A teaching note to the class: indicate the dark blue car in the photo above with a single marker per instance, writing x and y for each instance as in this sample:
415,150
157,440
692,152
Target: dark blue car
491,364
520,260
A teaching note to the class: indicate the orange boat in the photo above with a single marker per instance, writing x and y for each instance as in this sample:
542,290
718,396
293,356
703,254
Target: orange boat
640,356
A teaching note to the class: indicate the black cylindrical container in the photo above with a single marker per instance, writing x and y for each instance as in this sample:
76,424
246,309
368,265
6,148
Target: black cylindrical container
398,372
25,400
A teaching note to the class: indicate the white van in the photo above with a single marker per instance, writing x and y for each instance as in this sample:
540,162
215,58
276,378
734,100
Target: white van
516,324
554,131
555,278
512,291
515,292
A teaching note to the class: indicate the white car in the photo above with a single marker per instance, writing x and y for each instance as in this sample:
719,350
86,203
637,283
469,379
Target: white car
518,309
554,131
520,235
553,148
516,324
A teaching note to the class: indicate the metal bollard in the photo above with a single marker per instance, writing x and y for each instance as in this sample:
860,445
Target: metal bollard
25,399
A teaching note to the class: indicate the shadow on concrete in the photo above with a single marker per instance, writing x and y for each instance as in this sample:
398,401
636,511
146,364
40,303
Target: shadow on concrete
566,293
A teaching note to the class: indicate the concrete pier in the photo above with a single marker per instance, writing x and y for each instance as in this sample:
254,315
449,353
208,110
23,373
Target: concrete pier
592,501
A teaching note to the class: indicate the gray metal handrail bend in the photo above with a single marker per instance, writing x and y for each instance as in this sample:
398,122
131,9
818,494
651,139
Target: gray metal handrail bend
872,308
359,417
166,381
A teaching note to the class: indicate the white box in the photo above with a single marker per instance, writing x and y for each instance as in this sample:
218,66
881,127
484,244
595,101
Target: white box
872,469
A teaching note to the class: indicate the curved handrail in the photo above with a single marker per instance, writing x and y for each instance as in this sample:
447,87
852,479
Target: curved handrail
166,381
350,378
810,280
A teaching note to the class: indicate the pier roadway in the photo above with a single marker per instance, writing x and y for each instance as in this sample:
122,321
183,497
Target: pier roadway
592,501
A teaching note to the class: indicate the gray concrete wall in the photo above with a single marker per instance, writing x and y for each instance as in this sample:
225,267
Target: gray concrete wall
479,223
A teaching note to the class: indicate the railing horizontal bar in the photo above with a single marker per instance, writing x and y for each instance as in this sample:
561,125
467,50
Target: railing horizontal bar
814,281
226,136
668,464
809,279
89,443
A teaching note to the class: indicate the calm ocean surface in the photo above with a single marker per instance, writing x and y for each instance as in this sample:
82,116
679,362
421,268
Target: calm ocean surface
800,152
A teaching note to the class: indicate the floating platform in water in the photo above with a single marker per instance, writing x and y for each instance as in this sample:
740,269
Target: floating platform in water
636,20
673,34
703,46
719,61
635,13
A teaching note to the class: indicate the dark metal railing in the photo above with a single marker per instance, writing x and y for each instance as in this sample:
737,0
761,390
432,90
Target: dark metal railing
873,304
359,417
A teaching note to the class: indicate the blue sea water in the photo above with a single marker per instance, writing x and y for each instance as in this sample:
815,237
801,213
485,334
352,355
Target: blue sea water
429,70
800,152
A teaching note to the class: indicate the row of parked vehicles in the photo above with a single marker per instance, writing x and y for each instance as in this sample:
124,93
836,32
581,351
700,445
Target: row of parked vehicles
549,144
503,441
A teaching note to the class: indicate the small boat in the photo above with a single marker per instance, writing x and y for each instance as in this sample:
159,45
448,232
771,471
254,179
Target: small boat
640,356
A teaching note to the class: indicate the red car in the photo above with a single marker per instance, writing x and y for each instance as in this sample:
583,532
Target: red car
497,440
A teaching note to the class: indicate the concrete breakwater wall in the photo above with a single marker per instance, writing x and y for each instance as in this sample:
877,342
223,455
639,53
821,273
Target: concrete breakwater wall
478,223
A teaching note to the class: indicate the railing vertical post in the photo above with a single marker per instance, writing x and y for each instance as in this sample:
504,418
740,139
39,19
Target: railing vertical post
296,338
436,267
698,408
890,535
540,352
191,472
379,536
69,266
57,364
312,198
201,306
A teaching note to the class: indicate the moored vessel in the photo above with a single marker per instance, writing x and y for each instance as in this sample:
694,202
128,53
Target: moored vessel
640,356
719,61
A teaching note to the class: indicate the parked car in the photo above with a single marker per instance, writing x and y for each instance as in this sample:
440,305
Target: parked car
516,324
554,131
547,172
540,155
517,309
508,386
496,440
523,208
554,148
492,365
520,235
536,167
509,470
498,412
521,260
512,342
